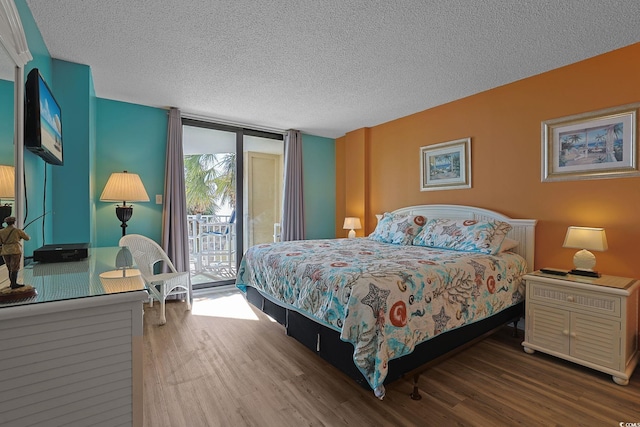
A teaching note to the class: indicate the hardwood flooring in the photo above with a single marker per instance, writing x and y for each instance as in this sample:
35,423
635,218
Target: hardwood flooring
227,364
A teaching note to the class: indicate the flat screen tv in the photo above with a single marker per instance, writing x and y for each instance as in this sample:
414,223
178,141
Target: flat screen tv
43,125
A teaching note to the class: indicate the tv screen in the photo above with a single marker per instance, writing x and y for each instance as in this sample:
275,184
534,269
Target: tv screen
43,125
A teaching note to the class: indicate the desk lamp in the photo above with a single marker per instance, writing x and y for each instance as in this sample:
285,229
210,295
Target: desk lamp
126,187
585,238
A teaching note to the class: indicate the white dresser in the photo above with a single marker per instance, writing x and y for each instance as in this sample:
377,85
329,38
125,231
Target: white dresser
73,354
590,321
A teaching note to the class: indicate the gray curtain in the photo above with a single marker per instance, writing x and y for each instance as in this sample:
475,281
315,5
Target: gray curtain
293,203
175,238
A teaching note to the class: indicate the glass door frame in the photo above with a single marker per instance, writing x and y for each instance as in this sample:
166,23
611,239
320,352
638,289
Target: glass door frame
239,207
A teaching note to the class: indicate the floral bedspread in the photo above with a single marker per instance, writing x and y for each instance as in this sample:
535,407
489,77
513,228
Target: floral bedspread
383,298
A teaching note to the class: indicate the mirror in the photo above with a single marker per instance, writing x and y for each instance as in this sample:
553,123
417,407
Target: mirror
7,184
14,54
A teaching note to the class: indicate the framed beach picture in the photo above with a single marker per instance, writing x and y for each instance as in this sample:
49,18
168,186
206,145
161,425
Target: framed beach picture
595,145
446,166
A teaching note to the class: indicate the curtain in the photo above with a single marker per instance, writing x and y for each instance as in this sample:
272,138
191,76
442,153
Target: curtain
175,238
293,206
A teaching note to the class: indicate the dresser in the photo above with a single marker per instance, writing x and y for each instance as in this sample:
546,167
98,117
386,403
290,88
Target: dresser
72,355
589,321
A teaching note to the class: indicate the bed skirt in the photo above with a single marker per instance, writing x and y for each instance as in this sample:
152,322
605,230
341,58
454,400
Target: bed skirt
326,342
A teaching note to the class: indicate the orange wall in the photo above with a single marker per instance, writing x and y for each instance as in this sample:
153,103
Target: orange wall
352,179
505,129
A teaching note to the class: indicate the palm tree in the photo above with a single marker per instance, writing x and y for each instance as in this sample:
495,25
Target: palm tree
198,178
455,163
573,140
210,182
613,132
600,139
225,179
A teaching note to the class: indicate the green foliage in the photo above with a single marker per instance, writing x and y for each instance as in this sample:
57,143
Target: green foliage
210,182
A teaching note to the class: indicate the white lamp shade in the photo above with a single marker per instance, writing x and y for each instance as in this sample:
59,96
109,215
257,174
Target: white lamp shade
589,238
352,223
124,187
7,182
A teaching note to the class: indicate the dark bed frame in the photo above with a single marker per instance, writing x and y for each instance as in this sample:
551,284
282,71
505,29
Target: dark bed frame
327,344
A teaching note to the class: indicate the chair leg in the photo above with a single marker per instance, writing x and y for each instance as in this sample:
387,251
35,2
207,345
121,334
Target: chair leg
188,300
163,317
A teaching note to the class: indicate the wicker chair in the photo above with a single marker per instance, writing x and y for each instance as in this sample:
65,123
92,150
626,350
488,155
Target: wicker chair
146,254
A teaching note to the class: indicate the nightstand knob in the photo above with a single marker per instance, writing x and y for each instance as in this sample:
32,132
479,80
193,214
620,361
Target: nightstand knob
573,334
570,298
565,332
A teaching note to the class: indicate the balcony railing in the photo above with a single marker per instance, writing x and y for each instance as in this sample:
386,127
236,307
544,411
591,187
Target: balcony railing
212,251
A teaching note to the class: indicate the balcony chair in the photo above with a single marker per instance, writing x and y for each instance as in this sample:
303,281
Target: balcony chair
147,254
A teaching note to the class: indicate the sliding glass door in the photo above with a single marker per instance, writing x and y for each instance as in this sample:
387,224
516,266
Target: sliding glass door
233,201
263,163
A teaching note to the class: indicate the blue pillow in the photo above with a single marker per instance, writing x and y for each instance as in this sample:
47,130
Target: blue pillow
398,229
468,235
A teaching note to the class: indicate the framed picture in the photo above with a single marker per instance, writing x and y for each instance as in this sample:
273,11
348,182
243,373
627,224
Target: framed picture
596,145
446,166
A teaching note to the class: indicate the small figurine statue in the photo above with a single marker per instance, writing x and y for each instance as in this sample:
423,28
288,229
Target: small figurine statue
11,249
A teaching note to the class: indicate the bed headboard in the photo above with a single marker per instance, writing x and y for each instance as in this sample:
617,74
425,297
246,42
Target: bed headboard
523,229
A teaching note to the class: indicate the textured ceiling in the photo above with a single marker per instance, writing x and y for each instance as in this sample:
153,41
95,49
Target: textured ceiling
325,67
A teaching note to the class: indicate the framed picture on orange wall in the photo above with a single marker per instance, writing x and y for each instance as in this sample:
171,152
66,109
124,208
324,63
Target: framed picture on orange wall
446,166
595,145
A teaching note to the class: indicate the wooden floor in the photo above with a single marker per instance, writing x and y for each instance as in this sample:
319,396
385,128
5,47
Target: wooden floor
226,364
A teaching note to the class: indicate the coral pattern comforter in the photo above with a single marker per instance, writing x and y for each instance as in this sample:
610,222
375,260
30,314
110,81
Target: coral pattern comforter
383,298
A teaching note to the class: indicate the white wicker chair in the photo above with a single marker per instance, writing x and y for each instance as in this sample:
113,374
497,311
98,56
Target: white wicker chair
146,254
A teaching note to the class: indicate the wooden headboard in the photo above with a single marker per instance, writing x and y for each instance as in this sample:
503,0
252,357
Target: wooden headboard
523,229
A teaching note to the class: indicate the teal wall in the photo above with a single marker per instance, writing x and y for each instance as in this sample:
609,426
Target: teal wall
133,138
71,211
70,214
319,177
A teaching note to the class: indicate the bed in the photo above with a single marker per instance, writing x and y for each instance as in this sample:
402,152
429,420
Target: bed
428,280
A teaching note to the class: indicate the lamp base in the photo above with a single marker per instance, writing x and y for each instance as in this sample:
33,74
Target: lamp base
587,273
352,234
584,260
124,213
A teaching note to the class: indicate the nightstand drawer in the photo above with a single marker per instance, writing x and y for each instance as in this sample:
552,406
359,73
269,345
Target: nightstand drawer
573,299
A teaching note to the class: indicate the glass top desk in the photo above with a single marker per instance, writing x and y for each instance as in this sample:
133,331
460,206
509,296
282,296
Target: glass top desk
105,271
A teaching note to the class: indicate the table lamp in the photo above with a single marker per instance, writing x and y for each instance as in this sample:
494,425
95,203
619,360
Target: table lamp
352,224
585,239
7,190
124,186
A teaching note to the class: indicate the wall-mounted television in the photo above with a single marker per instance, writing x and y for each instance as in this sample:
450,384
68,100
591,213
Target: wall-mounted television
42,124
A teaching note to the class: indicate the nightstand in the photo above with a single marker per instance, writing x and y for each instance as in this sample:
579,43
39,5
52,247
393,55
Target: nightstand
589,321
